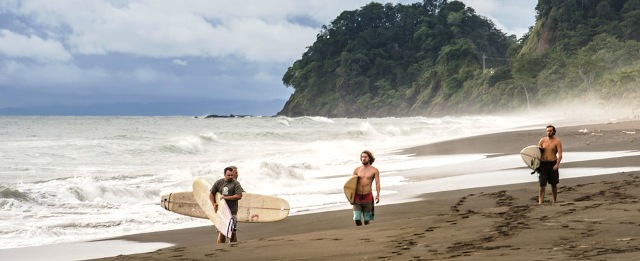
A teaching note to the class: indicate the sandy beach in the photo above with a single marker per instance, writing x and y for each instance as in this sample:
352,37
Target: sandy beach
596,217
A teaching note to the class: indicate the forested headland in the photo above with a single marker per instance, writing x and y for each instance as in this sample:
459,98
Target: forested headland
439,57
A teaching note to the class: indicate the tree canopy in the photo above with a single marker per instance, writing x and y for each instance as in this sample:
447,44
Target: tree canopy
439,57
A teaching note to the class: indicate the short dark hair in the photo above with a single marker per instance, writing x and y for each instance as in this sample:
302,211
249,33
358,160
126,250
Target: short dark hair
371,158
553,127
228,168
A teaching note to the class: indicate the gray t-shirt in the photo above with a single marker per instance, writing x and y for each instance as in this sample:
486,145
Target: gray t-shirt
230,188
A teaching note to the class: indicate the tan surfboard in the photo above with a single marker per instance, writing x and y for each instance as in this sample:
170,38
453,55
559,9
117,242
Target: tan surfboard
252,208
350,189
182,203
222,219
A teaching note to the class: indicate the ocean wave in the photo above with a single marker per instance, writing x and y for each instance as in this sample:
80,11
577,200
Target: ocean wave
268,134
119,194
320,119
126,137
9,204
302,165
402,131
70,178
365,129
100,224
275,171
284,121
9,193
208,137
174,149
190,145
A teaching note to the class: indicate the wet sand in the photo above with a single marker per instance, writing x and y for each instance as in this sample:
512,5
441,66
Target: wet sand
596,217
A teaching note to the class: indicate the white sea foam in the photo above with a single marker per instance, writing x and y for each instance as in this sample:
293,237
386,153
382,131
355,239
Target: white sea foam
65,179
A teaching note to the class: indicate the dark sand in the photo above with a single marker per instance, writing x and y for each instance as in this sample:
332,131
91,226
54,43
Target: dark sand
596,218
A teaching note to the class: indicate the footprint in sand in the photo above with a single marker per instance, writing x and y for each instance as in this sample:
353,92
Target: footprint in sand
430,229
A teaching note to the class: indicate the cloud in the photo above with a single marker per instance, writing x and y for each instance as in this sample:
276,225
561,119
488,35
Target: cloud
252,30
511,17
180,62
159,28
32,47
167,49
141,75
64,77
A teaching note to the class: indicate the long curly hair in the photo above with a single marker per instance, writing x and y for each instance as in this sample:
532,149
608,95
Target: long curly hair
371,157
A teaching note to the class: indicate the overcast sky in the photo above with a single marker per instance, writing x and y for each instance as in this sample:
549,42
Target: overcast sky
86,52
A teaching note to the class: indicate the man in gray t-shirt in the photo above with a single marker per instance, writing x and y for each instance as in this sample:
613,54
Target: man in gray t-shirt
231,191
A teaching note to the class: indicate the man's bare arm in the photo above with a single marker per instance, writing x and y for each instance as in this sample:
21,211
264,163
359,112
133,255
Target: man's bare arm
232,197
377,177
559,157
213,202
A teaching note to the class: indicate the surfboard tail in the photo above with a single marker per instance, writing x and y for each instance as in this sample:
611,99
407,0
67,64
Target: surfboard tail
531,163
352,198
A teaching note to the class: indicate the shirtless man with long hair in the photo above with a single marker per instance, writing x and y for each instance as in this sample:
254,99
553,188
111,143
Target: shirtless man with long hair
363,205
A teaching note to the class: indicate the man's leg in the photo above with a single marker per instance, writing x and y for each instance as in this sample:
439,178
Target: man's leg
542,181
367,213
554,179
234,238
357,214
221,238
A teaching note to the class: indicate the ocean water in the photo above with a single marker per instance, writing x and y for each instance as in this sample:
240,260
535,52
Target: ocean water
68,179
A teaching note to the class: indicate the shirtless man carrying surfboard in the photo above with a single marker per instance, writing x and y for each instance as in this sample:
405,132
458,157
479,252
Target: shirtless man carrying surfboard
363,205
551,148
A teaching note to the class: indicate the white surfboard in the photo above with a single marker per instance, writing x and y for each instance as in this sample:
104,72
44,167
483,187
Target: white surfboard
222,219
252,208
350,188
531,156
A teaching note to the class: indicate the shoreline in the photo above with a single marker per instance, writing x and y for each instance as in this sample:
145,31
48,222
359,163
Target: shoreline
446,225
472,223
595,216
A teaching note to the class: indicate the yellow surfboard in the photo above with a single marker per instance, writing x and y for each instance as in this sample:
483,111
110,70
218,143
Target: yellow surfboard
350,189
